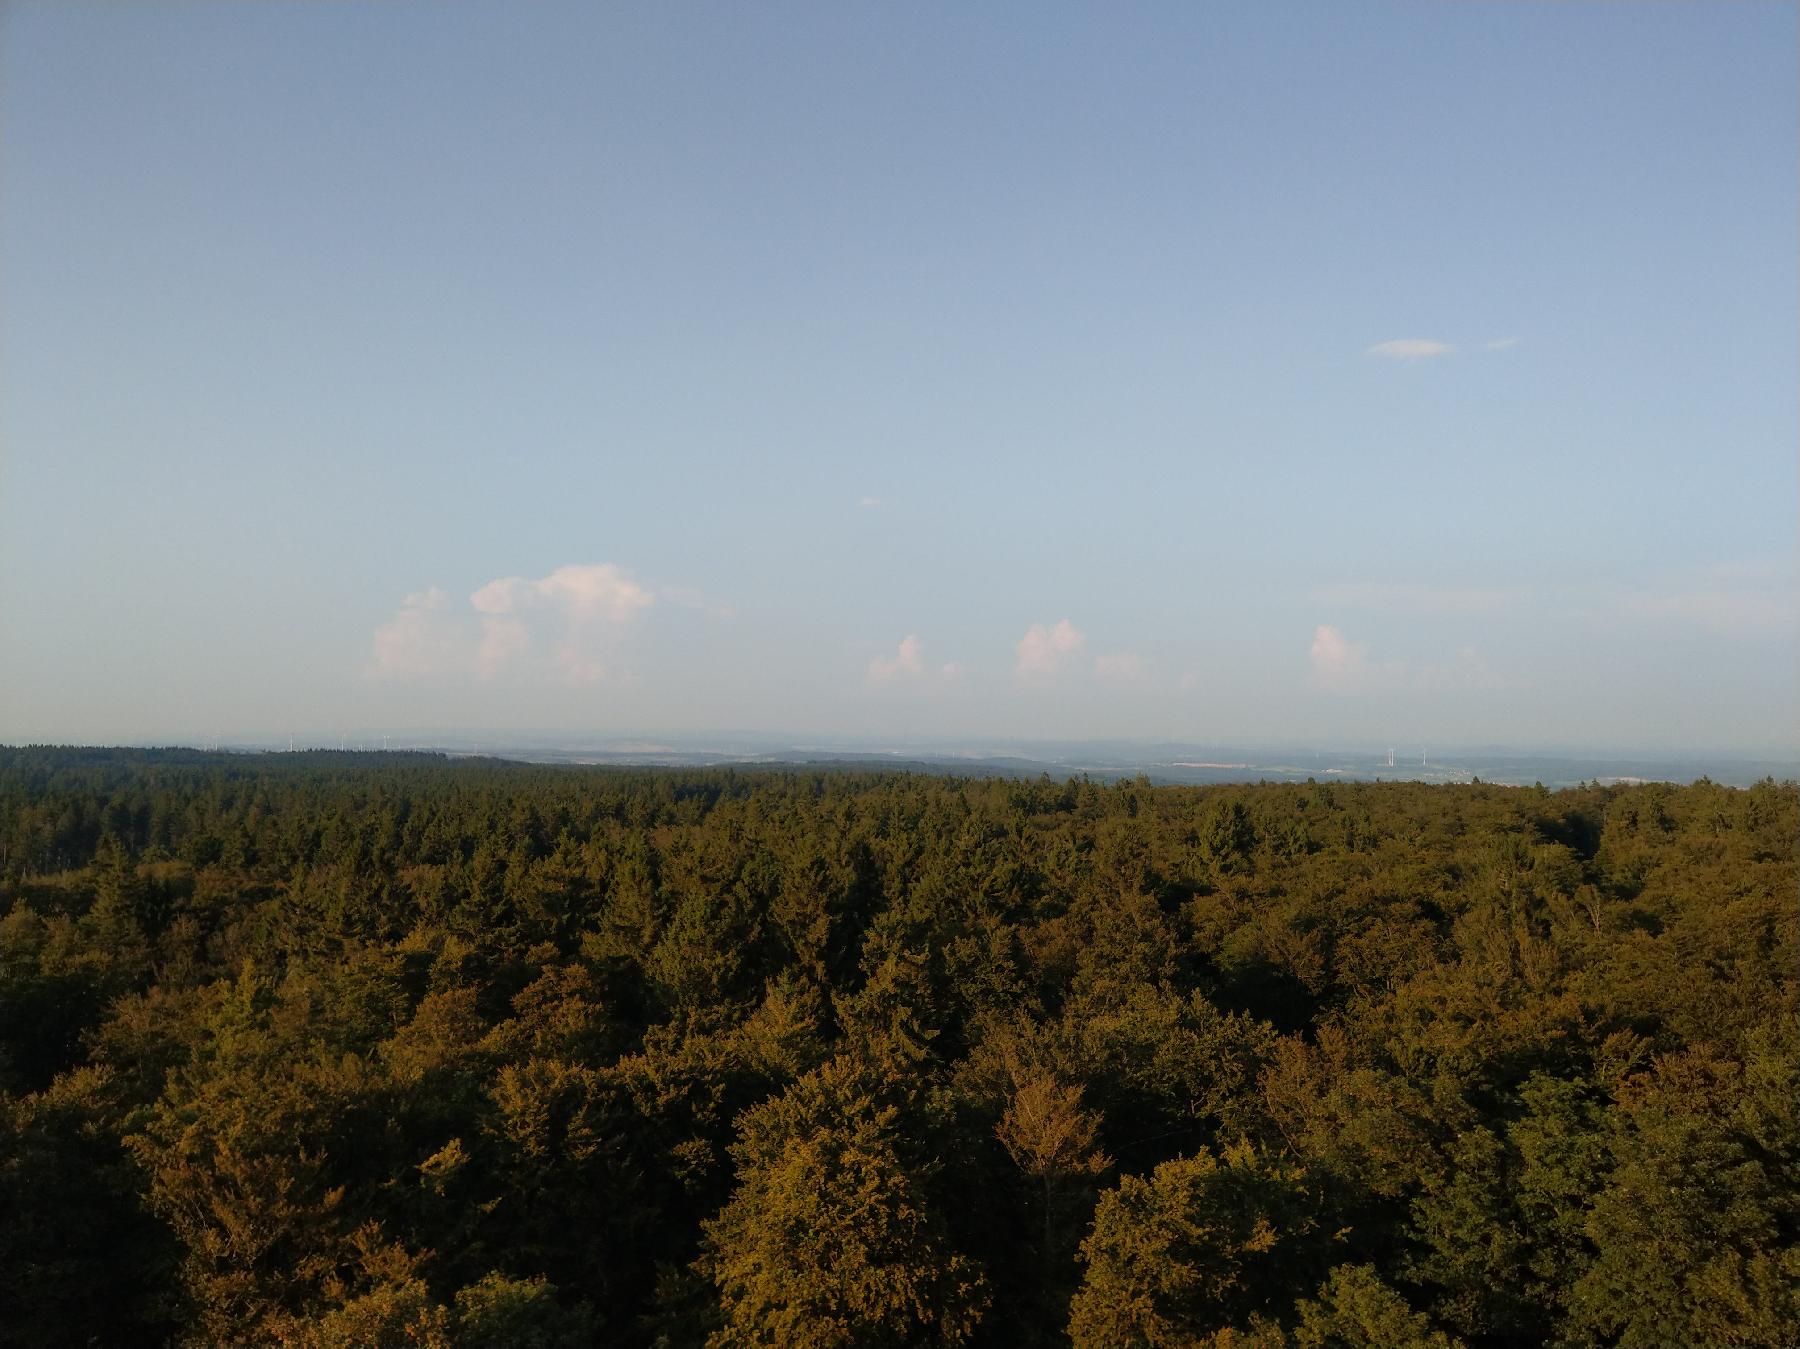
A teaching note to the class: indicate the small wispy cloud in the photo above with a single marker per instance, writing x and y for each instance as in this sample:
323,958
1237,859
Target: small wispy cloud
554,625
1336,660
906,662
868,503
906,665
1123,667
557,628
1043,649
597,592
422,639
1410,349
1502,343
1340,665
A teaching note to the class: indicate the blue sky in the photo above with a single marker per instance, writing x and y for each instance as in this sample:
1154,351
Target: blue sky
1302,372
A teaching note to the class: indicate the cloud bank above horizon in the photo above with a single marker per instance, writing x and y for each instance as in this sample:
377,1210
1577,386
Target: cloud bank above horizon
594,626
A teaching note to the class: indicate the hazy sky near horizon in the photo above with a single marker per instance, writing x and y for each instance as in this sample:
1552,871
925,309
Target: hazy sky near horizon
1354,374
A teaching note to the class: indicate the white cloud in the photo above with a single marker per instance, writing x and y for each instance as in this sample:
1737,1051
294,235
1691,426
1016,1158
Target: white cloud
599,592
906,665
1410,349
1502,343
1122,666
1337,662
1042,649
505,644
1341,665
556,628
907,662
421,640
869,503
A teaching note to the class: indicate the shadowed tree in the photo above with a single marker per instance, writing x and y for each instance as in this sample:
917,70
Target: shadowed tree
1052,1139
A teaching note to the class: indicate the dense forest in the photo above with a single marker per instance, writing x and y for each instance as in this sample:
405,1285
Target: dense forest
363,1050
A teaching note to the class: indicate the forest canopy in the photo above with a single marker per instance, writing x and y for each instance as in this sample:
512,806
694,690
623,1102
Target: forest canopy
328,1049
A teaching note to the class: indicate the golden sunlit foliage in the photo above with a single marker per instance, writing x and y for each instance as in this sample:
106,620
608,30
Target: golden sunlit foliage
328,1049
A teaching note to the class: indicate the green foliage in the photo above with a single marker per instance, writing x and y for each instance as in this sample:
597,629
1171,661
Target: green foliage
1356,1310
831,1238
502,1313
358,1050
1204,1245
1693,1232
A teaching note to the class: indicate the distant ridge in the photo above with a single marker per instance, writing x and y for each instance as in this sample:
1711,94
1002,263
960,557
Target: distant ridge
1160,762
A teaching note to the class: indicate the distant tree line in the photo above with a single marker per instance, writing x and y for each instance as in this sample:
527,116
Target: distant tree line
366,1050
